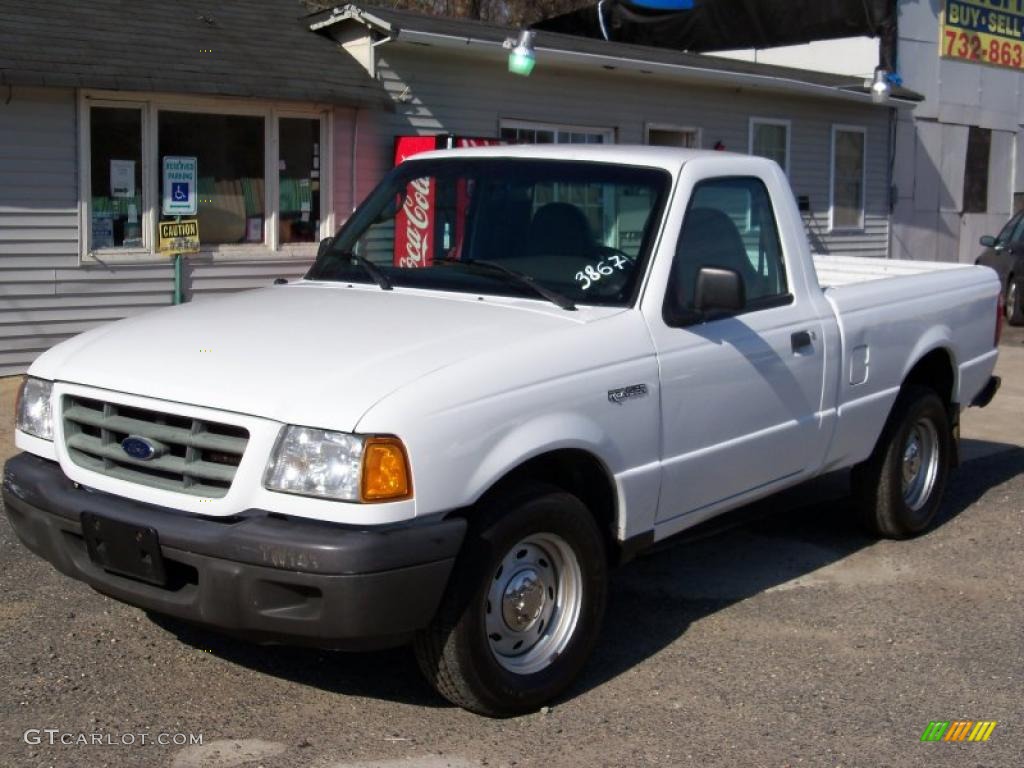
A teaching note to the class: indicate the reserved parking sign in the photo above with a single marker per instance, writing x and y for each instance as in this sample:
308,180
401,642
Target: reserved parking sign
180,174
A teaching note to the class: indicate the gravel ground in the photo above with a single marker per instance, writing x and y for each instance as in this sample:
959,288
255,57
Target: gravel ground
780,637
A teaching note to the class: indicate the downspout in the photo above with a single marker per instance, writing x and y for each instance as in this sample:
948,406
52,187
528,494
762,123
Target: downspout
355,153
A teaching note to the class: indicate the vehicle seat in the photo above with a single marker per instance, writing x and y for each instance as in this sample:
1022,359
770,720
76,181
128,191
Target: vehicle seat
559,229
709,239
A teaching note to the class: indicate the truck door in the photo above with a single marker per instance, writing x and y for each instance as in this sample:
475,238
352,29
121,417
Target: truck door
741,394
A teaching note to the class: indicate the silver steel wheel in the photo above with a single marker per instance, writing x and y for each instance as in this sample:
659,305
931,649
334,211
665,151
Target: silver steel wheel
920,467
533,603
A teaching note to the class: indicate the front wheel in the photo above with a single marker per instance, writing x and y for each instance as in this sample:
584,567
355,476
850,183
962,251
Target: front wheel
523,608
898,490
1015,301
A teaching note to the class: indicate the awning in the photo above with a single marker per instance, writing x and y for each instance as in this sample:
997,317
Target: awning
720,25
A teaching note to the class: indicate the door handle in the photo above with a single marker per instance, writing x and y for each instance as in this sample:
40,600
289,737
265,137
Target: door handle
802,340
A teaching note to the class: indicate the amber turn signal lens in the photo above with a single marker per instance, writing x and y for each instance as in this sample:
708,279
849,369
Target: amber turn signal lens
385,470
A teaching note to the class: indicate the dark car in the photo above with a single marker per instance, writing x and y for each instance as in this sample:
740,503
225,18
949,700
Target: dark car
1005,254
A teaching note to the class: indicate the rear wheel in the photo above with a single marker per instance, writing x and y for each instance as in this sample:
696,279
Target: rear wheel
523,608
898,490
1014,299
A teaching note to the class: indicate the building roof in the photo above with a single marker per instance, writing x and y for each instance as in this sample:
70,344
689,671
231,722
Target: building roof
417,27
251,48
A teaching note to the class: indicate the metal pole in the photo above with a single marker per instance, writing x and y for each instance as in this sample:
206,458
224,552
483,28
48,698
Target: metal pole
177,278
178,261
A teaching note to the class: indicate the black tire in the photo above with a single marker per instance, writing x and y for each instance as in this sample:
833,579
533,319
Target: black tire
881,498
1015,300
455,652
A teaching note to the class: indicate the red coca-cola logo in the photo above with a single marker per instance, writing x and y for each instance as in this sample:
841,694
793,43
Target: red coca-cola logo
416,210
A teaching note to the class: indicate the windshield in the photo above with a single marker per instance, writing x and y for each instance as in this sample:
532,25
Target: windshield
579,231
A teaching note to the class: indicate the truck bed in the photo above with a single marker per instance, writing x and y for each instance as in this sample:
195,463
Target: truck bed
837,271
890,314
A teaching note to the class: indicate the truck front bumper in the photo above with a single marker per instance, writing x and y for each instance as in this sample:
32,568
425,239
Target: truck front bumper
261,576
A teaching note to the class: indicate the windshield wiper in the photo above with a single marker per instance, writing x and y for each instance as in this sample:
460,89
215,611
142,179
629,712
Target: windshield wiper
371,269
518,278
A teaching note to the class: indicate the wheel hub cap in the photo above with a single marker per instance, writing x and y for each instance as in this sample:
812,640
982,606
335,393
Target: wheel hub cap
912,460
523,601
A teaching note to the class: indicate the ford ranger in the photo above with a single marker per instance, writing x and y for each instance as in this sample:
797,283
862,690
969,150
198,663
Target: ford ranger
509,371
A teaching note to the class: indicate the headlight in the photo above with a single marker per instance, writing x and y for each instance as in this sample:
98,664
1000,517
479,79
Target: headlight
336,465
34,414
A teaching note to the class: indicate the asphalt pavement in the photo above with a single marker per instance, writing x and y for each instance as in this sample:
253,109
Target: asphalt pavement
779,636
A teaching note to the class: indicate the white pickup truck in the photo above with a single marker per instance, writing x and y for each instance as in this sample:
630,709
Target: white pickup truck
512,369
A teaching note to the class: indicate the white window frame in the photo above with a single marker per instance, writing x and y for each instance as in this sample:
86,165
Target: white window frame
151,105
836,128
648,127
327,224
787,124
533,125
147,225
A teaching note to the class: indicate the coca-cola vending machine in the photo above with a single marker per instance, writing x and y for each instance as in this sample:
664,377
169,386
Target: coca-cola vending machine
429,215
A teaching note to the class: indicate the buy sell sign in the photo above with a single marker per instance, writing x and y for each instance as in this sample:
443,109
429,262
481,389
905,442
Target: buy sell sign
984,31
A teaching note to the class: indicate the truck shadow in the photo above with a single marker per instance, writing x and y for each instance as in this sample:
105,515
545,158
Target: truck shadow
653,600
391,675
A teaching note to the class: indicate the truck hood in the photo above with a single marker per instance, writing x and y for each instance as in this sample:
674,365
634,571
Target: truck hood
310,353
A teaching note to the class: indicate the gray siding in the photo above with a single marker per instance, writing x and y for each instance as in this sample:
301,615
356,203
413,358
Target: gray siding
444,91
38,224
46,294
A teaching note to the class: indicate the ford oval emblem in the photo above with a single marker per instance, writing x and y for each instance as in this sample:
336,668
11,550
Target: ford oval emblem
141,448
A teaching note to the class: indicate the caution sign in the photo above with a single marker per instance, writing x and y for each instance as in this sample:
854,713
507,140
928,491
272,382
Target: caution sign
984,31
179,236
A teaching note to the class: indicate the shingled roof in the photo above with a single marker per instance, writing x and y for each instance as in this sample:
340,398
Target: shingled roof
254,48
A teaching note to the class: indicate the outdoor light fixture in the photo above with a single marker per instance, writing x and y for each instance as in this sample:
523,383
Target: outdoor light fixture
880,88
523,57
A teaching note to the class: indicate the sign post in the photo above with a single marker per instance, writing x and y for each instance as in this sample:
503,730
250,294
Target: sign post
180,177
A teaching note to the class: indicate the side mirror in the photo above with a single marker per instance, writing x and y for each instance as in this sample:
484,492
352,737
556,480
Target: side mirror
988,241
325,246
719,291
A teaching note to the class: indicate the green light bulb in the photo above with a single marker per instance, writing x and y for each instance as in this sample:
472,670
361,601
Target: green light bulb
520,63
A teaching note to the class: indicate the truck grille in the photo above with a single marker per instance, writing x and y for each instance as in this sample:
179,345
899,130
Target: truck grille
199,457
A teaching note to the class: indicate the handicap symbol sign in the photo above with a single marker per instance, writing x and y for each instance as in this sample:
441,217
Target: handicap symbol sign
179,185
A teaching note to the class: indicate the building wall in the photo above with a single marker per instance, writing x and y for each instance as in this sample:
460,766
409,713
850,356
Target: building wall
46,293
931,143
441,91
857,56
